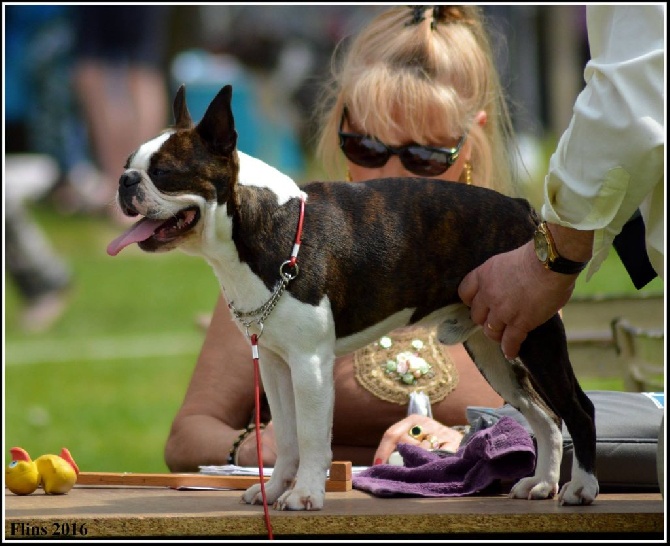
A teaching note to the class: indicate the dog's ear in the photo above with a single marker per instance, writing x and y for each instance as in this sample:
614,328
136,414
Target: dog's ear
181,114
217,126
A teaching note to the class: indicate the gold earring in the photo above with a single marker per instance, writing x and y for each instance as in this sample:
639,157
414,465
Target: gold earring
468,173
348,177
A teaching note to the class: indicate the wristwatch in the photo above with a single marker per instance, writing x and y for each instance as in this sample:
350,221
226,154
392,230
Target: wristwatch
545,249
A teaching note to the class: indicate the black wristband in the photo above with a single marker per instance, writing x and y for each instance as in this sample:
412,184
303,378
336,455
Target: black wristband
232,454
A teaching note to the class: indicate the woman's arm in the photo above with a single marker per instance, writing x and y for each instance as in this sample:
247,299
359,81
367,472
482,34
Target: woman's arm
219,400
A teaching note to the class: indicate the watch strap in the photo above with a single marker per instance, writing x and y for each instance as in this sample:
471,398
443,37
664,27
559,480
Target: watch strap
555,261
568,267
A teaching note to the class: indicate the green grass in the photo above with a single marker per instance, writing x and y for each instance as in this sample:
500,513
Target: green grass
91,383
602,383
107,379
113,415
613,280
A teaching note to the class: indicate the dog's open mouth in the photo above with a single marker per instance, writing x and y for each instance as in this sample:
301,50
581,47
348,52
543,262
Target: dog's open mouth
155,233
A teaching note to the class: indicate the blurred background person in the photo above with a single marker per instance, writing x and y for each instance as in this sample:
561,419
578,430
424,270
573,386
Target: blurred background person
45,143
119,80
282,54
41,275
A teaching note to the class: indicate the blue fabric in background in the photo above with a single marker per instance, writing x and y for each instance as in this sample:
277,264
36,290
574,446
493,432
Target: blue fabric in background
263,130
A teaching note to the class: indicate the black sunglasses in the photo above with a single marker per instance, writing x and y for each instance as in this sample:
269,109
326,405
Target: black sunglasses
420,160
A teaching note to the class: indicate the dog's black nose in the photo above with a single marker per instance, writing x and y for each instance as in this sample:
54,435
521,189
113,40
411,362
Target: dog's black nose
130,179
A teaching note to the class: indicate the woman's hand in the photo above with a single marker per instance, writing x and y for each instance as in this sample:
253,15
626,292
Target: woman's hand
417,430
247,453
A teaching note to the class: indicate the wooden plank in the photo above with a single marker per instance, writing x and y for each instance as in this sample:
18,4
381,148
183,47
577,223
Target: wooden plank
339,480
151,512
132,479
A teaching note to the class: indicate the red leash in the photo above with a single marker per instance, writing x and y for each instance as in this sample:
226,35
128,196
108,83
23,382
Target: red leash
259,451
254,352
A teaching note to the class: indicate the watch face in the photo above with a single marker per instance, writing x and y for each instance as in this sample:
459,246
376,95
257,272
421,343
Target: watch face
541,247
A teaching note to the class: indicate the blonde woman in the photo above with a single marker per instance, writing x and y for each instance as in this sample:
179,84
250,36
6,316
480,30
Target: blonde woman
416,93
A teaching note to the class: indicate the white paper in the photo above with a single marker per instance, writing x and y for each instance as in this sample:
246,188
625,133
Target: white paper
234,470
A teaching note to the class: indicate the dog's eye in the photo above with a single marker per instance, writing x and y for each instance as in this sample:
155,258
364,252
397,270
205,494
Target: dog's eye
157,171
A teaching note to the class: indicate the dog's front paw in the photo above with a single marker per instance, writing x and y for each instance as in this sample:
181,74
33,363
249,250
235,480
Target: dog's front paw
582,489
533,488
300,499
273,490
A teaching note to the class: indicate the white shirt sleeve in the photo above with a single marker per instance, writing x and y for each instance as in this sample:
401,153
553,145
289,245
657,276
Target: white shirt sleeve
611,158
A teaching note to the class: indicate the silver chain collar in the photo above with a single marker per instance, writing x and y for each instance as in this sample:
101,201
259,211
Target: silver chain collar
258,316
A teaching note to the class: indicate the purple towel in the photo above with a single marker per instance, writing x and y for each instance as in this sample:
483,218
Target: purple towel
503,451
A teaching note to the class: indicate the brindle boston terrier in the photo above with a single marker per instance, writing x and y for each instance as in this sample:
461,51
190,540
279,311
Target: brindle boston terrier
373,256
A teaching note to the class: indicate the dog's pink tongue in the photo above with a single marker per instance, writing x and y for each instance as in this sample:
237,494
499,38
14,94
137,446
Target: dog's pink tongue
138,232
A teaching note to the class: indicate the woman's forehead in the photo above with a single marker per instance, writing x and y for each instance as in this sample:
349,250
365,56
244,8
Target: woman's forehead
399,126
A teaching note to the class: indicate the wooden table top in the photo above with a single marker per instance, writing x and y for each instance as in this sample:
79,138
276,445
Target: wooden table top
121,511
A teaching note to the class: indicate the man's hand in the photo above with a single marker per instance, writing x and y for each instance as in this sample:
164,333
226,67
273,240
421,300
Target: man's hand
512,293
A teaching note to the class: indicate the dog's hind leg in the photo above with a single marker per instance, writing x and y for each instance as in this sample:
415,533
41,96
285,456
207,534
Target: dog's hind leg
510,380
314,395
546,426
583,486
541,384
545,354
278,386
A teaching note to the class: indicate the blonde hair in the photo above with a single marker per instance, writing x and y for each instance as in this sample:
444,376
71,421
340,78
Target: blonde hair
428,65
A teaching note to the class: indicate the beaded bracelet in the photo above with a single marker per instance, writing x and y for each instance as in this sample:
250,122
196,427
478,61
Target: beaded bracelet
232,455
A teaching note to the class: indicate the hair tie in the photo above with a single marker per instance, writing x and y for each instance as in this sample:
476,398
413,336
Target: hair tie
417,15
440,14
437,13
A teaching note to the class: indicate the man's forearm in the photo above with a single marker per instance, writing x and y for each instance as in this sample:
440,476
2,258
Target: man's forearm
572,244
